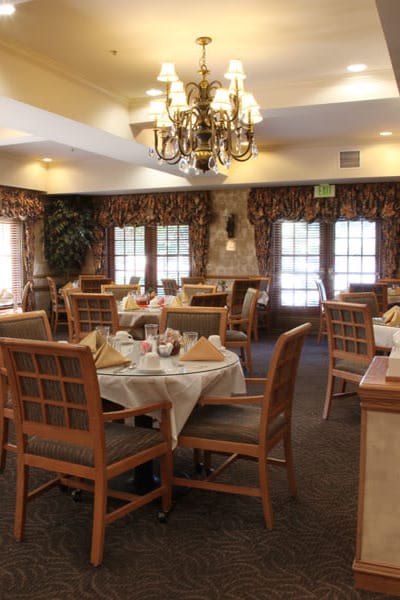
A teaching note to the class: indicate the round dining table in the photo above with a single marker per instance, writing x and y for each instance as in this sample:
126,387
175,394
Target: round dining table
181,382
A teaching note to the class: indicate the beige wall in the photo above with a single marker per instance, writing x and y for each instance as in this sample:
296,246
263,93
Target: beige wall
243,260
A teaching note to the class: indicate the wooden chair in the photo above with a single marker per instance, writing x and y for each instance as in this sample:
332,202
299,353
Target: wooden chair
380,290
66,293
27,300
120,290
192,280
238,292
322,330
170,287
60,428
368,298
240,329
135,279
57,306
203,319
250,427
28,325
92,283
351,347
216,299
192,289
92,310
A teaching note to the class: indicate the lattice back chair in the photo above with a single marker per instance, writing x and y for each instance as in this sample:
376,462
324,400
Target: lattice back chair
120,290
351,347
57,306
322,330
60,428
66,293
170,287
92,310
27,300
217,299
379,289
205,320
192,289
238,335
238,292
249,427
92,283
135,279
368,298
32,325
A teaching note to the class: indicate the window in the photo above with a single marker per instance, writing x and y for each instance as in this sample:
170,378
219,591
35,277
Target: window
11,257
151,252
342,252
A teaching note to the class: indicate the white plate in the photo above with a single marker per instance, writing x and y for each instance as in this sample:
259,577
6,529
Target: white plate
150,371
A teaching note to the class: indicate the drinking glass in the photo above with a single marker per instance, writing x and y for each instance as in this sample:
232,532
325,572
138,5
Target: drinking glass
189,339
104,331
151,331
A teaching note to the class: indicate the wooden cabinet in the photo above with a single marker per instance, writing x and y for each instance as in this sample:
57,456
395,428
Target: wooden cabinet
377,563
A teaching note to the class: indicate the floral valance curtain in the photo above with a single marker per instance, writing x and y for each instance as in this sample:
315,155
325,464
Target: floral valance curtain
27,206
371,201
192,208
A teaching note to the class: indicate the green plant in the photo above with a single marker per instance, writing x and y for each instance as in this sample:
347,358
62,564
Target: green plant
68,232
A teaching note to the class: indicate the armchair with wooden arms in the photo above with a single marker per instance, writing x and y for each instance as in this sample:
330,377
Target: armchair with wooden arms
249,427
92,283
60,428
92,310
240,327
57,305
120,290
206,320
32,325
351,347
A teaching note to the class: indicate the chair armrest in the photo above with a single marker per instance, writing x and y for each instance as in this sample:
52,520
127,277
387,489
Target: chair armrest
139,410
255,380
206,400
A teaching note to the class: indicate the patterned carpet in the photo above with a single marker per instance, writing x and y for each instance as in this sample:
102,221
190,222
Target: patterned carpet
214,546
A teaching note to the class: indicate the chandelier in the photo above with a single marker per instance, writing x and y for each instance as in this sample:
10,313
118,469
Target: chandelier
203,124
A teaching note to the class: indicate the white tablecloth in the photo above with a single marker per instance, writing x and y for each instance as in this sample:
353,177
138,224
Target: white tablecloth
182,383
384,335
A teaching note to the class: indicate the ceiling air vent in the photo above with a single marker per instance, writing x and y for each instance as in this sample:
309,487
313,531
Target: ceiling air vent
349,159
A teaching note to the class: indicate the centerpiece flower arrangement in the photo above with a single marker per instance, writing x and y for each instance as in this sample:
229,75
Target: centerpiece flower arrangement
171,336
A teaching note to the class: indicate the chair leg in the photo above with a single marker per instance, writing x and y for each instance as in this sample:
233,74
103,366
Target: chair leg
265,495
3,441
166,471
249,359
99,521
328,396
21,499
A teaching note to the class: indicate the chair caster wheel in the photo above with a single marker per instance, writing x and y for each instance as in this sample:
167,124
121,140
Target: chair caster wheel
162,516
76,495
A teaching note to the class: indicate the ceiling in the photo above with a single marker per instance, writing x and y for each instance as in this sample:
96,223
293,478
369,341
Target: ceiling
294,53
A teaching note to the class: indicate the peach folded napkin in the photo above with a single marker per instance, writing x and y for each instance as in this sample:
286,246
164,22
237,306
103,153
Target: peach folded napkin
94,340
203,350
128,303
107,356
175,302
392,317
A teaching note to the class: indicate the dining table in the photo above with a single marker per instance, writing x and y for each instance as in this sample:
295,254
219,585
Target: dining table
181,382
128,318
383,334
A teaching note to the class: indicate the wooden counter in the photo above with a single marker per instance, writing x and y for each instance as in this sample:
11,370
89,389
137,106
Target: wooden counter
377,563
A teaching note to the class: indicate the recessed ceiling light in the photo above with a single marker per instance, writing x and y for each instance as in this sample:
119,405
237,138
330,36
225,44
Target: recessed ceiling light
154,92
6,8
385,133
356,68
48,160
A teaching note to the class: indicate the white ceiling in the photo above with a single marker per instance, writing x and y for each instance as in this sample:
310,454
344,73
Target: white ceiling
294,52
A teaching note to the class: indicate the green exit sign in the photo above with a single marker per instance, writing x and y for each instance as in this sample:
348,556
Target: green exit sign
324,191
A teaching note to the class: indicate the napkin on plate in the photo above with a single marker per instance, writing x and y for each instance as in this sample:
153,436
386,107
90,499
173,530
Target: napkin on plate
154,302
107,356
203,350
94,340
392,316
128,303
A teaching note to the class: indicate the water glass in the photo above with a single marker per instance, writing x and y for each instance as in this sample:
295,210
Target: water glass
151,331
189,339
103,331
